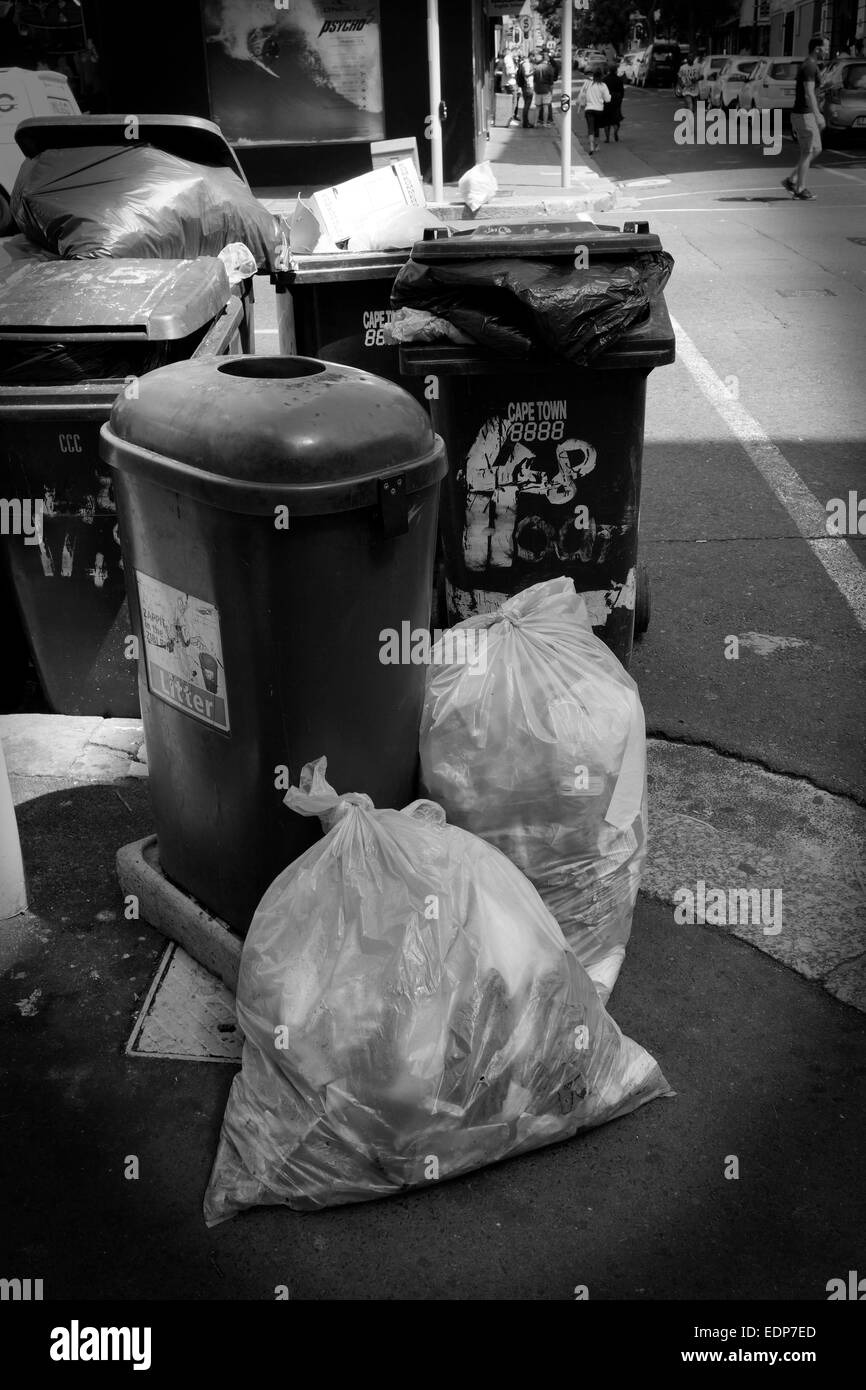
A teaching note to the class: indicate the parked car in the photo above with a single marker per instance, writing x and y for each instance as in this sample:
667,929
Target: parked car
842,98
591,58
711,66
659,65
772,85
725,89
628,65
24,93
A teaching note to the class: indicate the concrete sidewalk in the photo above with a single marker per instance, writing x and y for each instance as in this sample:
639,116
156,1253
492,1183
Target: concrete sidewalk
527,166
766,1065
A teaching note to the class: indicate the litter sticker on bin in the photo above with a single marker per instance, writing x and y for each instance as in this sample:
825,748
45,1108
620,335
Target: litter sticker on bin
183,650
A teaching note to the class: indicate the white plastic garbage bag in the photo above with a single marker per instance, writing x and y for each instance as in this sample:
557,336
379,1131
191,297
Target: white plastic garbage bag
544,756
477,186
410,1012
392,228
239,261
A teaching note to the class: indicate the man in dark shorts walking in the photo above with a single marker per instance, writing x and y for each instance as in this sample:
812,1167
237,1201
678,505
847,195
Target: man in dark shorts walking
544,77
806,119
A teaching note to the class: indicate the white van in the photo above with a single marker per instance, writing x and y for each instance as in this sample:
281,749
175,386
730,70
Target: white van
22,94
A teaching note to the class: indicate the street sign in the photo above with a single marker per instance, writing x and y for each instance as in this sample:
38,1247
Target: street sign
502,9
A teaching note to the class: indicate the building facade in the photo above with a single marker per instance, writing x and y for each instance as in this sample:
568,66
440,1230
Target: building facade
793,22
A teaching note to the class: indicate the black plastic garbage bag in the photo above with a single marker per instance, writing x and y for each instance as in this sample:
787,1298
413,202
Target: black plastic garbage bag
521,307
65,364
138,201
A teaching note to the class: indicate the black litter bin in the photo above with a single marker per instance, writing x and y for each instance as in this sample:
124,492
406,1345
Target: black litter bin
71,334
279,519
544,457
336,305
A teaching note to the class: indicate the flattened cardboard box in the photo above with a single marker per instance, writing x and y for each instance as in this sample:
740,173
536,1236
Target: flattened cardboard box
342,209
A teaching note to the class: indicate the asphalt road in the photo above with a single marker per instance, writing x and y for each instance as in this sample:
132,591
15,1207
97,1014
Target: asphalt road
765,402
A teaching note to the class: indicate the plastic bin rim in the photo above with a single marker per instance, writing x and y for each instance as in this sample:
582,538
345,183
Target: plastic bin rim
601,247
202,139
259,498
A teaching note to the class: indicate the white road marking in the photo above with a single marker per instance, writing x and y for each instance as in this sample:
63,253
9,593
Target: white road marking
803,507
726,192
746,207
842,174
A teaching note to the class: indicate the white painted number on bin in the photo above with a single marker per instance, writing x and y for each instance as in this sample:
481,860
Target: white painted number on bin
373,322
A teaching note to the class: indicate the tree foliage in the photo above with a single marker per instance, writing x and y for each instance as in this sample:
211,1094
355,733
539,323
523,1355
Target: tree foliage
607,21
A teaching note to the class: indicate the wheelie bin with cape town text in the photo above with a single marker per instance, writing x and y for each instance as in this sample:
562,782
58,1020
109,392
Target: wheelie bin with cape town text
337,306
545,455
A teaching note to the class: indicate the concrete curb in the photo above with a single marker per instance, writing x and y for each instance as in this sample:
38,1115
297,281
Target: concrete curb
205,938
737,826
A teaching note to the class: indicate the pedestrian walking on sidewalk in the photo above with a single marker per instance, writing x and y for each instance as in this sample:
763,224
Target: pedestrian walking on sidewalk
688,78
596,94
526,85
612,113
806,119
509,78
543,76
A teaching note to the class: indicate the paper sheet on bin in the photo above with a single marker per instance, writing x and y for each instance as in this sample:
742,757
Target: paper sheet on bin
340,210
305,232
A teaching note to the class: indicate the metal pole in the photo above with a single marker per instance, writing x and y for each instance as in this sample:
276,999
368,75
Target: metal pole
13,893
565,76
435,126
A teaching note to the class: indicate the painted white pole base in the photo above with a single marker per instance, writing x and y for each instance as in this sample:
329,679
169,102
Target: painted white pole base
13,892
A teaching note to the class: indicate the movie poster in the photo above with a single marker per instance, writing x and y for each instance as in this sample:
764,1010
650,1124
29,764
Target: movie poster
303,72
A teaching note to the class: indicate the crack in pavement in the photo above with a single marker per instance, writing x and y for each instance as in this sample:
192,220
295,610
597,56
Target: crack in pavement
856,799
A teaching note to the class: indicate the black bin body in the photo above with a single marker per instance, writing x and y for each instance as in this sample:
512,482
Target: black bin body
260,643
72,334
544,458
335,306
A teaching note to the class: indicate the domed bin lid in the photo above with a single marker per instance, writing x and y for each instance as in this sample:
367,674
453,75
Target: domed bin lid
248,434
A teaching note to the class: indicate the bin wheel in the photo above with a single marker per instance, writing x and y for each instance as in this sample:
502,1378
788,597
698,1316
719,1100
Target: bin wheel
642,601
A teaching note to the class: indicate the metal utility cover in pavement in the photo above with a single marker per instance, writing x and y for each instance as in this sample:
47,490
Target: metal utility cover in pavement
188,1014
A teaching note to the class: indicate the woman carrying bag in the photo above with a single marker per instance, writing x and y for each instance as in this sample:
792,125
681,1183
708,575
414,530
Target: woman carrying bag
612,115
595,94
